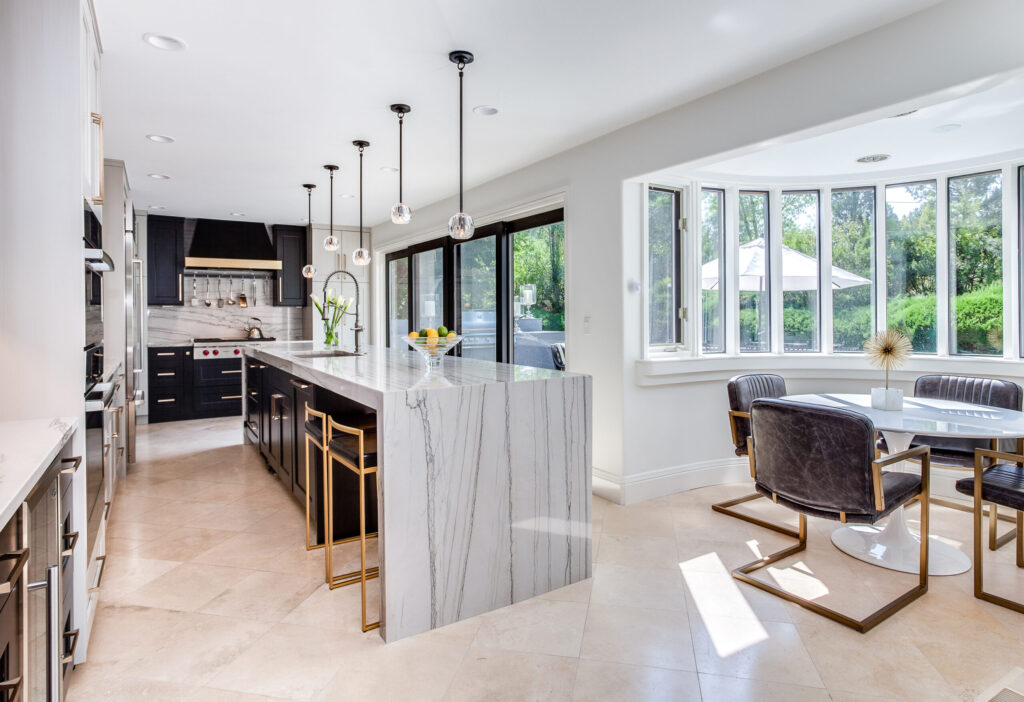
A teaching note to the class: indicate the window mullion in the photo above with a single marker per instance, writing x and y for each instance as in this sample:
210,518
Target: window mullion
730,251
881,267
775,269
825,268
1011,259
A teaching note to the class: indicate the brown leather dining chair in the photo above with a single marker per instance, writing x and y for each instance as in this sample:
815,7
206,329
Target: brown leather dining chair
744,389
958,454
820,461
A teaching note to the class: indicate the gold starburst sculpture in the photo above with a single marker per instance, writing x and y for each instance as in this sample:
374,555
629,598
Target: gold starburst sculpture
889,350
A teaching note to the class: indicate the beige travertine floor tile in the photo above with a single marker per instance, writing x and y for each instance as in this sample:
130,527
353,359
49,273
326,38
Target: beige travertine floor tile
197,646
91,688
638,636
717,687
654,588
187,587
638,551
535,626
180,543
123,635
577,592
512,676
748,648
243,550
127,572
600,681
289,661
640,519
262,596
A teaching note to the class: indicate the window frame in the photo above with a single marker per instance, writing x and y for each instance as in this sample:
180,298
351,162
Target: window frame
874,256
678,335
818,321
722,270
767,265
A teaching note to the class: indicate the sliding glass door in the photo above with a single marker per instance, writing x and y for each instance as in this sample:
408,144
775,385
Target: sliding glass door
503,290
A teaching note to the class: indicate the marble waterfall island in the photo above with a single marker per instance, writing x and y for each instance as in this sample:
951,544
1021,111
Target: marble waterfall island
484,482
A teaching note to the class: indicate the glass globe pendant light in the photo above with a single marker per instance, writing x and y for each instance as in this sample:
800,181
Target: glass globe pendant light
331,242
460,226
361,256
400,212
308,271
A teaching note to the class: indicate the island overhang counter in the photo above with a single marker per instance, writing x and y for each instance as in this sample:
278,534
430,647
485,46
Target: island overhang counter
484,477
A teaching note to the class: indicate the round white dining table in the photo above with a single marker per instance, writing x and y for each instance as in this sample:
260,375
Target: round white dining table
894,546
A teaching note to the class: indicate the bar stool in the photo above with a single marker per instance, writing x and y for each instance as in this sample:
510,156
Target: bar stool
315,433
355,448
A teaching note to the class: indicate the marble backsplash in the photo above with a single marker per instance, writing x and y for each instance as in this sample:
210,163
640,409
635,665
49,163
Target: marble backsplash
177,326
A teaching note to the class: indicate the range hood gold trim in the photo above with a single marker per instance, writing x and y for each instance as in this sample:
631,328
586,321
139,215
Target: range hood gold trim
245,263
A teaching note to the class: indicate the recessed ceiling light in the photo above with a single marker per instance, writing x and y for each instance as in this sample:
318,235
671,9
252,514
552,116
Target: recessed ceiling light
347,196
157,207
944,128
903,114
160,138
872,158
159,176
237,214
165,42
485,110
389,169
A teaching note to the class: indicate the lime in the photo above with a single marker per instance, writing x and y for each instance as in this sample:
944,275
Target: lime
423,331
442,330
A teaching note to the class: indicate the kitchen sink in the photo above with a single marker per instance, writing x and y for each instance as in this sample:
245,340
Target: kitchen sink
326,354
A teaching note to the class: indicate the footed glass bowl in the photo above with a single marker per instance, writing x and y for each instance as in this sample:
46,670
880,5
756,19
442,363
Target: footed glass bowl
433,348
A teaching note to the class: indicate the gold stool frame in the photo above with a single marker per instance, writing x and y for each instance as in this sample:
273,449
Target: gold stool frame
361,470
979,554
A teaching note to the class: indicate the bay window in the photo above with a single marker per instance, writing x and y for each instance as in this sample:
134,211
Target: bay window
712,247
800,242
663,266
853,255
910,260
754,273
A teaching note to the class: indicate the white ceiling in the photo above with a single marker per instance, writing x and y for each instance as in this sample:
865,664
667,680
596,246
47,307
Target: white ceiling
269,91
989,130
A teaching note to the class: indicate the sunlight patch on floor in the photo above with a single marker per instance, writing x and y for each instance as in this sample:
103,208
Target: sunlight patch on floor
714,591
798,579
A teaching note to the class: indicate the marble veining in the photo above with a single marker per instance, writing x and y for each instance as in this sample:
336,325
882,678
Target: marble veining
27,448
177,326
484,478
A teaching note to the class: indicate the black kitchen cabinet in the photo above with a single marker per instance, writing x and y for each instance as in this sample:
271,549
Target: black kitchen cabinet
302,392
281,434
290,249
165,260
253,395
170,383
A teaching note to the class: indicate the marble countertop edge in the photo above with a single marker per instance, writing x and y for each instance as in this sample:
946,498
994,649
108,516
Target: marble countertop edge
27,448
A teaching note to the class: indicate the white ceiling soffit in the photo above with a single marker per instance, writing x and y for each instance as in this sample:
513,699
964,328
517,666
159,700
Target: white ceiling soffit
980,128
268,91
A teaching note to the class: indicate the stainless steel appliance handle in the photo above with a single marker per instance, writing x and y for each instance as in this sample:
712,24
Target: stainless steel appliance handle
140,397
53,657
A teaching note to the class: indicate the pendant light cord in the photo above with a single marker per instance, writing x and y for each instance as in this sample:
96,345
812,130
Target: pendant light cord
330,232
360,197
400,119
462,66
309,208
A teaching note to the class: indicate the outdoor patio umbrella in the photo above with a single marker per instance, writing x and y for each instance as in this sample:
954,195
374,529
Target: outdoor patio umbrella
801,270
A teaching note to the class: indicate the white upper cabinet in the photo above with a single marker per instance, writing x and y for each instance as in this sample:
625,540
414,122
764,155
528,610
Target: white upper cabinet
92,109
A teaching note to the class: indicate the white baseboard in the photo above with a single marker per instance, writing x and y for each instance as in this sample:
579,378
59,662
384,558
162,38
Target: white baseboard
666,481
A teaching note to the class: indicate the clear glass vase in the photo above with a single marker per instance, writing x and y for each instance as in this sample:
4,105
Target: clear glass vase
331,337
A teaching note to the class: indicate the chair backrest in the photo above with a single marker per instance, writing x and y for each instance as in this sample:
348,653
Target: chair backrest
991,392
815,459
744,389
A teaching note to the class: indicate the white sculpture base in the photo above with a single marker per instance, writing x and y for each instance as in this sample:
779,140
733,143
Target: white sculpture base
894,546
890,399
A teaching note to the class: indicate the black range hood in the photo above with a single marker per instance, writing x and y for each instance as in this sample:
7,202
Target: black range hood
220,243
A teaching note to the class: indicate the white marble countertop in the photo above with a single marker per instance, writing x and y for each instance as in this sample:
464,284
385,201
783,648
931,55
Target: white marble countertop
928,416
383,370
27,448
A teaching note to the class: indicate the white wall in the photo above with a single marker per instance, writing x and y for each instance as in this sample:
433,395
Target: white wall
113,281
670,436
42,313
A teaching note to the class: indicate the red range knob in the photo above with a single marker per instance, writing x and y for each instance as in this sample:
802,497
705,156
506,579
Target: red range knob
216,352
206,352
237,351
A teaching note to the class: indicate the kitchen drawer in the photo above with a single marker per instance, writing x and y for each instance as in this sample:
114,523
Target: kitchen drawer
166,377
220,372
169,356
219,401
166,404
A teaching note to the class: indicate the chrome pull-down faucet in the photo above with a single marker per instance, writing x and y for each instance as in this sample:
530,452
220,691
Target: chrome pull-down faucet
358,328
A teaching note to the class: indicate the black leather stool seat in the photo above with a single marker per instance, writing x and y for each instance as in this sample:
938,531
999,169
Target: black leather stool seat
1002,484
313,429
347,446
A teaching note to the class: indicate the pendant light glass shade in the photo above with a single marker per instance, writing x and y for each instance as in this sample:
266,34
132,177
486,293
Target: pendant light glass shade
331,242
361,256
308,271
460,226
400,213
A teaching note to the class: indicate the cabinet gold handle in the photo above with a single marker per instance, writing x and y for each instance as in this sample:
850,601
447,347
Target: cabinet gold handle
252,393
165,353
280,294
164,375
20,558
179,287
120,451
76,460
106,510
99,576
297,384
228,372
73,535
97,119
166,399
106,450
70,655
231,397
13,686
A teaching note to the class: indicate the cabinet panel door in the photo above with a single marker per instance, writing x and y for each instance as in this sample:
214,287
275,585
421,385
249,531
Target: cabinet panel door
166,260
304,393
290,246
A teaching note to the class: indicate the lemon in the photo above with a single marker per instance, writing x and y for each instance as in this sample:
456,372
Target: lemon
432,333
452,335
414,335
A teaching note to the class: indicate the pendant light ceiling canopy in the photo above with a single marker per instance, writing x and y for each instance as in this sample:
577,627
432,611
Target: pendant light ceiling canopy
460,226
331,242
308,271
361,256
400,212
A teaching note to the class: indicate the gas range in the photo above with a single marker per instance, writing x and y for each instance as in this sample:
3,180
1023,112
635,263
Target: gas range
206,349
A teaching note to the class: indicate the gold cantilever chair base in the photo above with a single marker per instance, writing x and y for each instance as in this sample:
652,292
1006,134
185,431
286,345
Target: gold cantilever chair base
979,557
878,616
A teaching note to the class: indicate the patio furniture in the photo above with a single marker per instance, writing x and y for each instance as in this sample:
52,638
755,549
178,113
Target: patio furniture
744,389
820,461
958,453
998,483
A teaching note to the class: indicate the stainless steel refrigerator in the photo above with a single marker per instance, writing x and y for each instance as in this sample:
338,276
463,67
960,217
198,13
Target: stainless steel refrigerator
133,310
